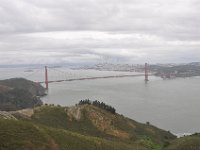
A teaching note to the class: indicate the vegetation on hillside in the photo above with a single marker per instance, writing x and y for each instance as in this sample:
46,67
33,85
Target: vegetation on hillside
22,135
19,93
191,142
18,99
90,120
98,104
178,70
20,83
86,127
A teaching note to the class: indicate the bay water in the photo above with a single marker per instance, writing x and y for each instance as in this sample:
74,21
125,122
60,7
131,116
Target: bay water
169,104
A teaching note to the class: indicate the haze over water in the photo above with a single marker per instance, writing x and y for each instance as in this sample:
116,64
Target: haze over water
169,104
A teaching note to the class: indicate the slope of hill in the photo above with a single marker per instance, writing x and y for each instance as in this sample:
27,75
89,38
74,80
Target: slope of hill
18,135
21,83
4,88
85,127
178,70
79,127
186,143
18,93
94,121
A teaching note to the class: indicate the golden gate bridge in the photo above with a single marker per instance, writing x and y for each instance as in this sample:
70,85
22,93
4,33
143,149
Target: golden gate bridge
47,81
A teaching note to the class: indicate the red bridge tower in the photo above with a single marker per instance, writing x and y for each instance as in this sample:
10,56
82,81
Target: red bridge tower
46,78
146,72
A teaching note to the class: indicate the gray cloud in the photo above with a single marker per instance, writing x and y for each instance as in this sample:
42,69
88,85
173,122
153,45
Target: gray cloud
126,31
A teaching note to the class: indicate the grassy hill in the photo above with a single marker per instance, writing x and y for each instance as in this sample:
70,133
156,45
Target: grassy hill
79,127
18,135
18,93
94,121
85,127
21,83
186,143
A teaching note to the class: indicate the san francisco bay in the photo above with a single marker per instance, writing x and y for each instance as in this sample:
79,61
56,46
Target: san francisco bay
170,104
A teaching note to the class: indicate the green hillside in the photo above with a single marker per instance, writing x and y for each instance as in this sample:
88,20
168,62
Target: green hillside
21,83
94,121
22,135
85,127
80,127
18,135
186,143
18,93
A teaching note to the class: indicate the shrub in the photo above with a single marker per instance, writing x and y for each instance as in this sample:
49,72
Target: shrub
98,104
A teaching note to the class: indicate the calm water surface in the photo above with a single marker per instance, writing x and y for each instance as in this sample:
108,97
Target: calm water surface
169,104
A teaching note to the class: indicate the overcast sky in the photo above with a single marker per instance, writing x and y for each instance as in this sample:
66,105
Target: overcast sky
99,31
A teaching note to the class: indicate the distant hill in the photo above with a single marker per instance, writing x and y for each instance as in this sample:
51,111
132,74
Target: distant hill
178,70
21,83
19,93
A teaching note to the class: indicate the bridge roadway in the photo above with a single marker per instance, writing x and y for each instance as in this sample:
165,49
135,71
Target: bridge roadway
93,78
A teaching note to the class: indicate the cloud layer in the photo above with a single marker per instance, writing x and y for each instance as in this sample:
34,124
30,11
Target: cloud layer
94,31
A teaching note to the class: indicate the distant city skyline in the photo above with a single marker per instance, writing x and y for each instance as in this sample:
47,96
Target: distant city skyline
99,31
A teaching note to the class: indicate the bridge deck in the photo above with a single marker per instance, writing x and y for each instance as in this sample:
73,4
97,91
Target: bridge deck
93,78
